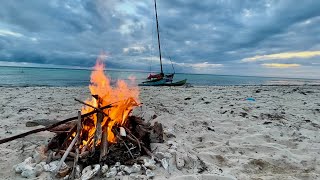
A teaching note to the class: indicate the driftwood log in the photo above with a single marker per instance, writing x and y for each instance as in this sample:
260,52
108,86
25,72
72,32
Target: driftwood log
51,126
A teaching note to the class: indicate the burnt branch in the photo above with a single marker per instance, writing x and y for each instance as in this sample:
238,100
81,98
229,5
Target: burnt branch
51,126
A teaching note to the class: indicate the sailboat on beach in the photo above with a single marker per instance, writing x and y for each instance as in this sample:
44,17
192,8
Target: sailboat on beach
161,79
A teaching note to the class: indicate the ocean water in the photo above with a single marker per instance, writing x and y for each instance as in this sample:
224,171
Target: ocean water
26,76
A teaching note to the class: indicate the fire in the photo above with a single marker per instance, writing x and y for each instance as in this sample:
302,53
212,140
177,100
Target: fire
122,97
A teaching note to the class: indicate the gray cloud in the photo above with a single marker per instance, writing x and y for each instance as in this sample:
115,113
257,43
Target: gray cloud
223,32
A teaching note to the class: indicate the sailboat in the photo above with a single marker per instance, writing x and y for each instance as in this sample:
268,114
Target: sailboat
161,79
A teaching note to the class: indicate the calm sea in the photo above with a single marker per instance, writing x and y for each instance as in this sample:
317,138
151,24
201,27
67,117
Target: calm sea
26,76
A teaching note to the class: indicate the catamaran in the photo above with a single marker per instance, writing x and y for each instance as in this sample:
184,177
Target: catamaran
161,79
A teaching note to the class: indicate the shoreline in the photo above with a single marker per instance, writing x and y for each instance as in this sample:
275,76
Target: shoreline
188,86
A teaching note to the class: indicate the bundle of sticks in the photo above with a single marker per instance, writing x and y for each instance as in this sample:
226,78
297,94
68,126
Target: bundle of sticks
132,140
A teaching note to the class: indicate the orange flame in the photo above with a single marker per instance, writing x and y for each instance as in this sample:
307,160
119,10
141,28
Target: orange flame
123,98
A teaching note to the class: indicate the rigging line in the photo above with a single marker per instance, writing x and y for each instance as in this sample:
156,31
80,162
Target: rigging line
152,46
172,65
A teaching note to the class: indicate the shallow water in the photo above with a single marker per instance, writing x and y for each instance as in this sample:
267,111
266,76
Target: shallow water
26,76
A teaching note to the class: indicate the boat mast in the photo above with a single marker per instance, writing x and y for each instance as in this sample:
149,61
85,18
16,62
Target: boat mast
155,8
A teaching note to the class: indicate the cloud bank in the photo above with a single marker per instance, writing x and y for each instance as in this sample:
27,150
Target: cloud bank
277,65
281,56
213,36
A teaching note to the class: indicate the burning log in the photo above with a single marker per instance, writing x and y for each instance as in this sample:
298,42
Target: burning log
96,108
104,142
79,127
98,129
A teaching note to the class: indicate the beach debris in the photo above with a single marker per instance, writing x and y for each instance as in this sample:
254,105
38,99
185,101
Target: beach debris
135,168
156,135
52,166
187,98
250,99
301,92
24,109
112,172
149,173
188,85
243,114
40,122
104,169
267,122
89,171
203,167
179,160
122,132
127,170
273,116
150,163
169,133
28,168
224,112
210,128
164,163
27,163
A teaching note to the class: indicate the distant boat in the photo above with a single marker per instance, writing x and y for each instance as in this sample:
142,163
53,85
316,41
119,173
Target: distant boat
161,79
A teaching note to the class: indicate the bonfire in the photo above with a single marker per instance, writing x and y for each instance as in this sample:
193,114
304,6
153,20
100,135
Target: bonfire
104,132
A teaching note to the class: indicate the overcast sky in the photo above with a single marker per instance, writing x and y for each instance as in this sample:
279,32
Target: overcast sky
239,37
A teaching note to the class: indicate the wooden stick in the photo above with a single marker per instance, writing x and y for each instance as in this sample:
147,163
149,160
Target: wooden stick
71,154
60,132
128,149
48,160
96,108
66,154
98,132
122,141
51,126
136,141
133,138
150,153
63,127
84,154
67,138
84,149
73,173
104,142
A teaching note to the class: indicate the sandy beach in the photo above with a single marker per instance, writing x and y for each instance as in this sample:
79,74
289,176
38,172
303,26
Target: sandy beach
211,132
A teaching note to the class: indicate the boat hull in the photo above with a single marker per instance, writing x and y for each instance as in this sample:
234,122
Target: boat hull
162,82
178,83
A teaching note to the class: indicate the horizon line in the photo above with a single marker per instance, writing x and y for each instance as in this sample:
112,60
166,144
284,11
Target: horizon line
143,71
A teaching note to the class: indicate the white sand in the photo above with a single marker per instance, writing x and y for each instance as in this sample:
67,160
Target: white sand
215,125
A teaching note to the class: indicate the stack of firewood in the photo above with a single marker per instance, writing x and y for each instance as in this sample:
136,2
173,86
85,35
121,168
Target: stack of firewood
132,141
